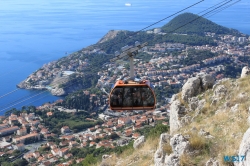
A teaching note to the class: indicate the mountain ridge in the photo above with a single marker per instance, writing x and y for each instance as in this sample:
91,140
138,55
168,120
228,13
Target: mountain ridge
194,24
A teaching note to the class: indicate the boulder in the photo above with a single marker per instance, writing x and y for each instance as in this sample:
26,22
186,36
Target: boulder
191,88
196,85
172,160
207,81
245,72
139,142
179,144
245,149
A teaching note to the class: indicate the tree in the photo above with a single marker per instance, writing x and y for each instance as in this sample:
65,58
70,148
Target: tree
89,160
21,162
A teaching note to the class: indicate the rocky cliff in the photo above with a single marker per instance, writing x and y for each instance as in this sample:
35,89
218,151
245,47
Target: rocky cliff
209,125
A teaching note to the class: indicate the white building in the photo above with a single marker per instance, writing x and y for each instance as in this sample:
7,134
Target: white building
242,39
157,30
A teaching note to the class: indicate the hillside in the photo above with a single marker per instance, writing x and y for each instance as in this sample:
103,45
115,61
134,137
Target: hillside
87,62
207,125
199,26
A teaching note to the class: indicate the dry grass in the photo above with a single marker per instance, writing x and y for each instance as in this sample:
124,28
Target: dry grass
143,156
184,103
197,142
186,160
226,127
167,149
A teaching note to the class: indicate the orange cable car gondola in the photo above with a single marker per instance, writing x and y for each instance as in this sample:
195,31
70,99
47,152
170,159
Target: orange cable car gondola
131,95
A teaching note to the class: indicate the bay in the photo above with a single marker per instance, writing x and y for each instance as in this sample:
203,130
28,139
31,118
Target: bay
36,32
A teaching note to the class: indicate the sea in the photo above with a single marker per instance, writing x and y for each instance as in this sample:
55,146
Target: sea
33,33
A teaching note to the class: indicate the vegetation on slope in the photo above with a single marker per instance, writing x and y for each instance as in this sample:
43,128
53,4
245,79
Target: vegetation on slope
224,124
194,24
128,38
80,100
142,156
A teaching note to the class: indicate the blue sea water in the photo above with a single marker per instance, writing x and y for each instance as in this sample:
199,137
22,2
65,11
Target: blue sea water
36,32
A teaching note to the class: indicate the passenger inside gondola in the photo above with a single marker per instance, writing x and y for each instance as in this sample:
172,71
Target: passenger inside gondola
132,97
127,98
137,97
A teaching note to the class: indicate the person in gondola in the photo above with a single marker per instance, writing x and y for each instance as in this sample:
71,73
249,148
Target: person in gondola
127,97
119,99
114,98
137,97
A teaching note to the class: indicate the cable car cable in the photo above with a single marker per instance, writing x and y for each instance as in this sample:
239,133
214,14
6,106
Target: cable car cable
223,9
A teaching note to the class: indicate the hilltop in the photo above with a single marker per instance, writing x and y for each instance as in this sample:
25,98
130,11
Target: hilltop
195,24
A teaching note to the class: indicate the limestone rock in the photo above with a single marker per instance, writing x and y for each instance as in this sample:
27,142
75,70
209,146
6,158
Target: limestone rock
193,103
197,84
105,156
207,81
245,71
242,96
235,108
164,139
191,88
159,156
245,149
201,104
139,142
172,160
212,162
185,120
179,144
176,111
173,98
220,91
